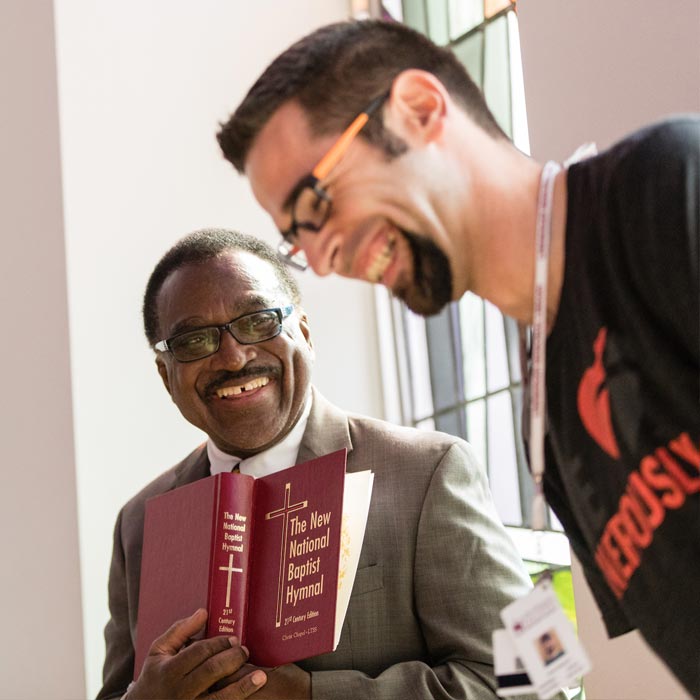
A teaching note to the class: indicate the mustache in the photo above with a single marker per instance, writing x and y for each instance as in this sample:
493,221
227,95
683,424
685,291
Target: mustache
225,377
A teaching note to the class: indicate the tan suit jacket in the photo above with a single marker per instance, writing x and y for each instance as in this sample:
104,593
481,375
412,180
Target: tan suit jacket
435,570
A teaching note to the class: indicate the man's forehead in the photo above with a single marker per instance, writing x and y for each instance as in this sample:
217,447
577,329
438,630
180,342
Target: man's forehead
236,279
284,152
234,266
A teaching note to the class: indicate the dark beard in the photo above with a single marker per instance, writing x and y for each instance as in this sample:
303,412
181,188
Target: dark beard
431,288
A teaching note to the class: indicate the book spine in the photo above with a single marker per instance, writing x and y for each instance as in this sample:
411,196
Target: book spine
251,557
230,556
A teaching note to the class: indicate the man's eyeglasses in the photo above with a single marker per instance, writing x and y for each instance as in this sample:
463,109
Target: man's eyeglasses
311,204
247,330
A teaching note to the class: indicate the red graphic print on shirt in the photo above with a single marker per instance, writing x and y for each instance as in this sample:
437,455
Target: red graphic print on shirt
593,400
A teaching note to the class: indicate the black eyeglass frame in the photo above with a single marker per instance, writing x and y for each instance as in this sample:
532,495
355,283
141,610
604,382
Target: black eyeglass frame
282,312
287,250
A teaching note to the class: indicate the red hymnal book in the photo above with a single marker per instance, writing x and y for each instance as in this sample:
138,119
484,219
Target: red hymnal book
260,555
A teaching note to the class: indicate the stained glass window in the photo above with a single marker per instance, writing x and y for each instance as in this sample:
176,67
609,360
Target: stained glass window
464,16
470,51
497,84
491,7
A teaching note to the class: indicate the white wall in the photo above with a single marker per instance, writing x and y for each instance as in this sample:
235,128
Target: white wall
42,639
595,70
142,86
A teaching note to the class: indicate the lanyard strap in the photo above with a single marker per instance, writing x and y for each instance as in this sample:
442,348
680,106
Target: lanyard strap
543,234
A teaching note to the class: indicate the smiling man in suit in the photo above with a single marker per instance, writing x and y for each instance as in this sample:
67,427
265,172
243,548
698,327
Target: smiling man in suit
233,347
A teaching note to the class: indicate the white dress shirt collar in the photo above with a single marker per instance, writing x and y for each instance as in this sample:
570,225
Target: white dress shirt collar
277,457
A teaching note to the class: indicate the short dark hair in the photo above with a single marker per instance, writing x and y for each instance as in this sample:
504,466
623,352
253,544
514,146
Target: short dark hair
198,247
335,71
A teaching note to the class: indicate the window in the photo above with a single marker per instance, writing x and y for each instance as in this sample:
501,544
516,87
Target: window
459,371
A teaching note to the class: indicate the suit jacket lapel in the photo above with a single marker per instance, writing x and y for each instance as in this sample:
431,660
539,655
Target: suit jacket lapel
326,431
195,466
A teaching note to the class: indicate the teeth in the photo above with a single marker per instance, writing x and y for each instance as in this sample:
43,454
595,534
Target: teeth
239,389
378,266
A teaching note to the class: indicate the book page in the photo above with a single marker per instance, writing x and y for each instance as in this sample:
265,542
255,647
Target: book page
356,499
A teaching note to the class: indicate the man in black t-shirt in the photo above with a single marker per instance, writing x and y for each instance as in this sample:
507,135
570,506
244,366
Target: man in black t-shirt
378,159
623,473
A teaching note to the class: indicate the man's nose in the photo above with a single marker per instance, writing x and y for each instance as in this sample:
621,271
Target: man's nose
232,353
322,250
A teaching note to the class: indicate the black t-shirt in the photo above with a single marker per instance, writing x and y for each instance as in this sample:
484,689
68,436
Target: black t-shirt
623,387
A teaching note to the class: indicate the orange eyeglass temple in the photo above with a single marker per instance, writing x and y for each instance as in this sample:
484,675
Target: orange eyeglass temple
328,161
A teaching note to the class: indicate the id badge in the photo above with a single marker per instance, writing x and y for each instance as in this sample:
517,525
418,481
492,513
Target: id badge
545,640
510,673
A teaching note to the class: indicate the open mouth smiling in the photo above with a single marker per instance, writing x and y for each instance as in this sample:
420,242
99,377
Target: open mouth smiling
228,385
238,389
382,259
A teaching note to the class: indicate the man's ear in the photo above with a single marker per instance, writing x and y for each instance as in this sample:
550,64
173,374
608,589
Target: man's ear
163,371
306,331
417,106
